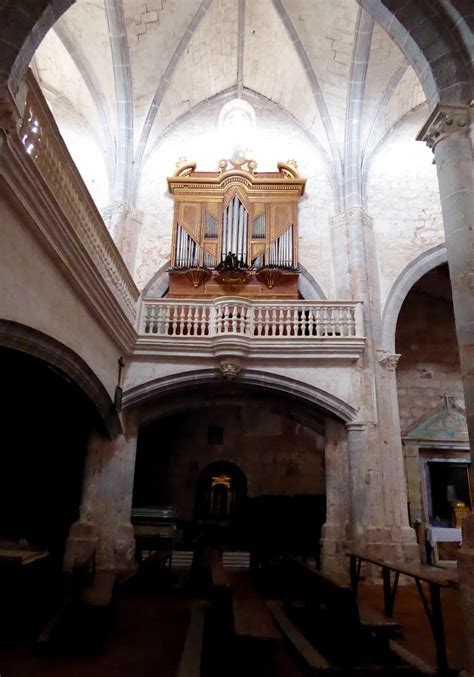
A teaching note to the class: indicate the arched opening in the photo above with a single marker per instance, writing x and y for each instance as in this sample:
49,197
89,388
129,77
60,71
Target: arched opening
246,467
221,489
47,420
431,403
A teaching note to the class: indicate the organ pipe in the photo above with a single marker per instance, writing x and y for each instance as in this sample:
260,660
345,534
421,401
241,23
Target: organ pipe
234,230
188,251
281,250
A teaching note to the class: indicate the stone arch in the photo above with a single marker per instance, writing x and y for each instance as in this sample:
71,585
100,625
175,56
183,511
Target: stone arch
248,380
412,273
433,37
23,25
33,342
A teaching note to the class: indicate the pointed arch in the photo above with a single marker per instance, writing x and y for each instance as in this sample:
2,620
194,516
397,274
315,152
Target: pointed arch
412,273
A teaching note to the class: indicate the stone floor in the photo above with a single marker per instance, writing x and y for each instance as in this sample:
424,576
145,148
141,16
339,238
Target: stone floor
150,627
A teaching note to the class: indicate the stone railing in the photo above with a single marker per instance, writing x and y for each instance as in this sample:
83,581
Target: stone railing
42,141
237,317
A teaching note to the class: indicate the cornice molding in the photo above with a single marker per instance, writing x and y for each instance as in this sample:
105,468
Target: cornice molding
32,196
252,348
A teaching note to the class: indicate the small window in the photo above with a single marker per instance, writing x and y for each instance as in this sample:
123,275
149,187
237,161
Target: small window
215,435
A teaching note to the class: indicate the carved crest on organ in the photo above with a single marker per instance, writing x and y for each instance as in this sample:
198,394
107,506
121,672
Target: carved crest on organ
235,231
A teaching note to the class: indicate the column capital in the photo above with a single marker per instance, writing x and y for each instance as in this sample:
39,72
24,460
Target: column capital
356,426
352,213
124,208
388,360
445,119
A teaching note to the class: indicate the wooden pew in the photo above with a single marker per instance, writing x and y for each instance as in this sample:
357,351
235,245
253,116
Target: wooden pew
83,623
313,659
190,664
436,581
252,621
331,611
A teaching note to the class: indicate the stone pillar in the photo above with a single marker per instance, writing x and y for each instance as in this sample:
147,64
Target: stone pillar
124,222
333,532
411,455
104,526
448,131
362,492
403,537
378,488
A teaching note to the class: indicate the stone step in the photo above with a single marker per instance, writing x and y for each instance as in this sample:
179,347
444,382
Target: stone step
230,559
182,559
236,560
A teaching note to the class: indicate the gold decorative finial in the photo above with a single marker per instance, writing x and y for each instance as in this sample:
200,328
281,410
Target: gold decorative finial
181,162
293,164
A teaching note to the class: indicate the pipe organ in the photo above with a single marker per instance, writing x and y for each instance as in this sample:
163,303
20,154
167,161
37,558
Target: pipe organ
235,231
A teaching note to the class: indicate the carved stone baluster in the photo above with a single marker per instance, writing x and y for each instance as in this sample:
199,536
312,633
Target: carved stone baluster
266,321
250,321
147,320
226,318
235,319
258,321
281,321
161,320
174,326
190,320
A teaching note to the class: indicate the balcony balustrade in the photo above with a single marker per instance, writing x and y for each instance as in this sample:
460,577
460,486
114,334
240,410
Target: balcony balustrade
310,325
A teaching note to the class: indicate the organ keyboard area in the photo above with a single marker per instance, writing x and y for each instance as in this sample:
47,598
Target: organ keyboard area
235,231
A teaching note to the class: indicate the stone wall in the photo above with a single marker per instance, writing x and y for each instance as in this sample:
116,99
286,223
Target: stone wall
278,456
429,364
36,294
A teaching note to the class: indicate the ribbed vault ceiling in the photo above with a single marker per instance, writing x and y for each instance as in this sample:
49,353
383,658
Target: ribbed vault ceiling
125,70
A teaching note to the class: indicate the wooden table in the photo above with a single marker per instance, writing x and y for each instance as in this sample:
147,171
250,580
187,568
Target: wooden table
21,556
435,579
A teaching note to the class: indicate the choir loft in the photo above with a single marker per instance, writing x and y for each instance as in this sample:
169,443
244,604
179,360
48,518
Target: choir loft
236,337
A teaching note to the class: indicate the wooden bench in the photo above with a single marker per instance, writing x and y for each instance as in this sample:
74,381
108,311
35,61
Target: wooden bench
253,621
313,659
333,591
83,622
331,611
190,664
435,579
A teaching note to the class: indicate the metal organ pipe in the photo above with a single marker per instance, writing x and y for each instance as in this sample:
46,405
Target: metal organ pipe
281,250
234,230
187,249
235,225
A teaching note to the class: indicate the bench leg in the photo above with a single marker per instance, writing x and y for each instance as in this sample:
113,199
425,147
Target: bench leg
438,629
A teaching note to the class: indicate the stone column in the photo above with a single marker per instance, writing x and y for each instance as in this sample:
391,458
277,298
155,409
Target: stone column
81,546
333,532
403,537
378,488
104,526
448,131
